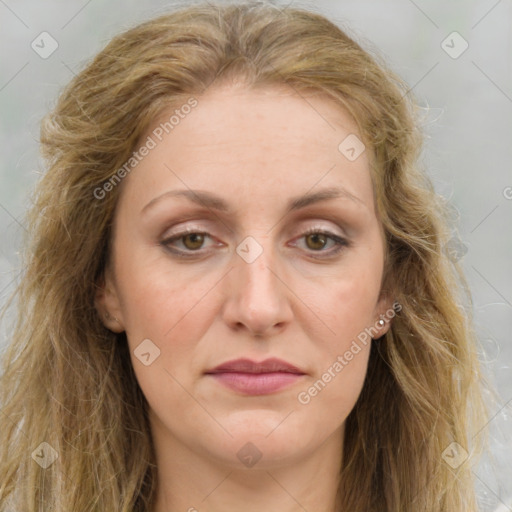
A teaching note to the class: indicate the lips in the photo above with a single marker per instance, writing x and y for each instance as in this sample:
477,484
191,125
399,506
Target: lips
272,365
248,377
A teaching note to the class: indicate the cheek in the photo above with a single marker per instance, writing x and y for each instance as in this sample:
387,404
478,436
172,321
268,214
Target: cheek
347,302
166,309
332,393
173,313
162,302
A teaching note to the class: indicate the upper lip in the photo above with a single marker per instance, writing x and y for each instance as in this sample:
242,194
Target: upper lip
248,366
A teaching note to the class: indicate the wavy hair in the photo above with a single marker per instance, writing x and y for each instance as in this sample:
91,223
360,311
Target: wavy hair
68,381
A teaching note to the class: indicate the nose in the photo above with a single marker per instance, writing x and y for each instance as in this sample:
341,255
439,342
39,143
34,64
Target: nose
258,298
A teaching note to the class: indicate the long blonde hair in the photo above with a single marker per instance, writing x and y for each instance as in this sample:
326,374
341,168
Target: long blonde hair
68,381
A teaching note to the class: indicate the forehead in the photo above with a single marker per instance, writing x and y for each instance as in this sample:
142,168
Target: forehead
268,138
267,115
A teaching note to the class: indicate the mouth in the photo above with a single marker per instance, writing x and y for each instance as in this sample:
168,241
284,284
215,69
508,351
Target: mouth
253,378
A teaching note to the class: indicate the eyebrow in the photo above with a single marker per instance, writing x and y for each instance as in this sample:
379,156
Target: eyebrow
214,202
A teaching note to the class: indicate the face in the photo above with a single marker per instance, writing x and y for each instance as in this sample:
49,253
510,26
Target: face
246,233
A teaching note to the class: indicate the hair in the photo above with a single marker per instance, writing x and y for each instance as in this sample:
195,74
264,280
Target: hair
68,381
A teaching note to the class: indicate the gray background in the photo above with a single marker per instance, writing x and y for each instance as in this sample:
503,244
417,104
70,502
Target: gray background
467,102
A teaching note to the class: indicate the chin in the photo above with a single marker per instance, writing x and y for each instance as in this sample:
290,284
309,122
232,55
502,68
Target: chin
265,439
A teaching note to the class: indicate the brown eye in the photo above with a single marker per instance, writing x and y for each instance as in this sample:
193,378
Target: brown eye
189,243
193,240
322,244
316,241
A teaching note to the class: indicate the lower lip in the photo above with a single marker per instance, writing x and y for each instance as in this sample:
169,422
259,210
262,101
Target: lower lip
256,383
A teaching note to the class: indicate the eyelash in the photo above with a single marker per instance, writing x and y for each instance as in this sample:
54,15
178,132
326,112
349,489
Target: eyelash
340,243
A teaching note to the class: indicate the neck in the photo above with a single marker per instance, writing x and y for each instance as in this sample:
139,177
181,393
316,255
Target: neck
190,481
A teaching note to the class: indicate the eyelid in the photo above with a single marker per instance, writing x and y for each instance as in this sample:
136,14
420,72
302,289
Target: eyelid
185,231
319,228
177,231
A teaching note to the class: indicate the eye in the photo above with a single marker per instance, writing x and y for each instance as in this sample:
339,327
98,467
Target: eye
186,243
193,240
191,243
316,240
324,242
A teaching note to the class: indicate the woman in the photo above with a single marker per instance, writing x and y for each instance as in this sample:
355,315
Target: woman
236,295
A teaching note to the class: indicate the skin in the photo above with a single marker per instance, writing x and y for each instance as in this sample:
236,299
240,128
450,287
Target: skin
298,301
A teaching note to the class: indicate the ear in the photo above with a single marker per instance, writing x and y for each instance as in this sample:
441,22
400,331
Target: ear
107,302
385,311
